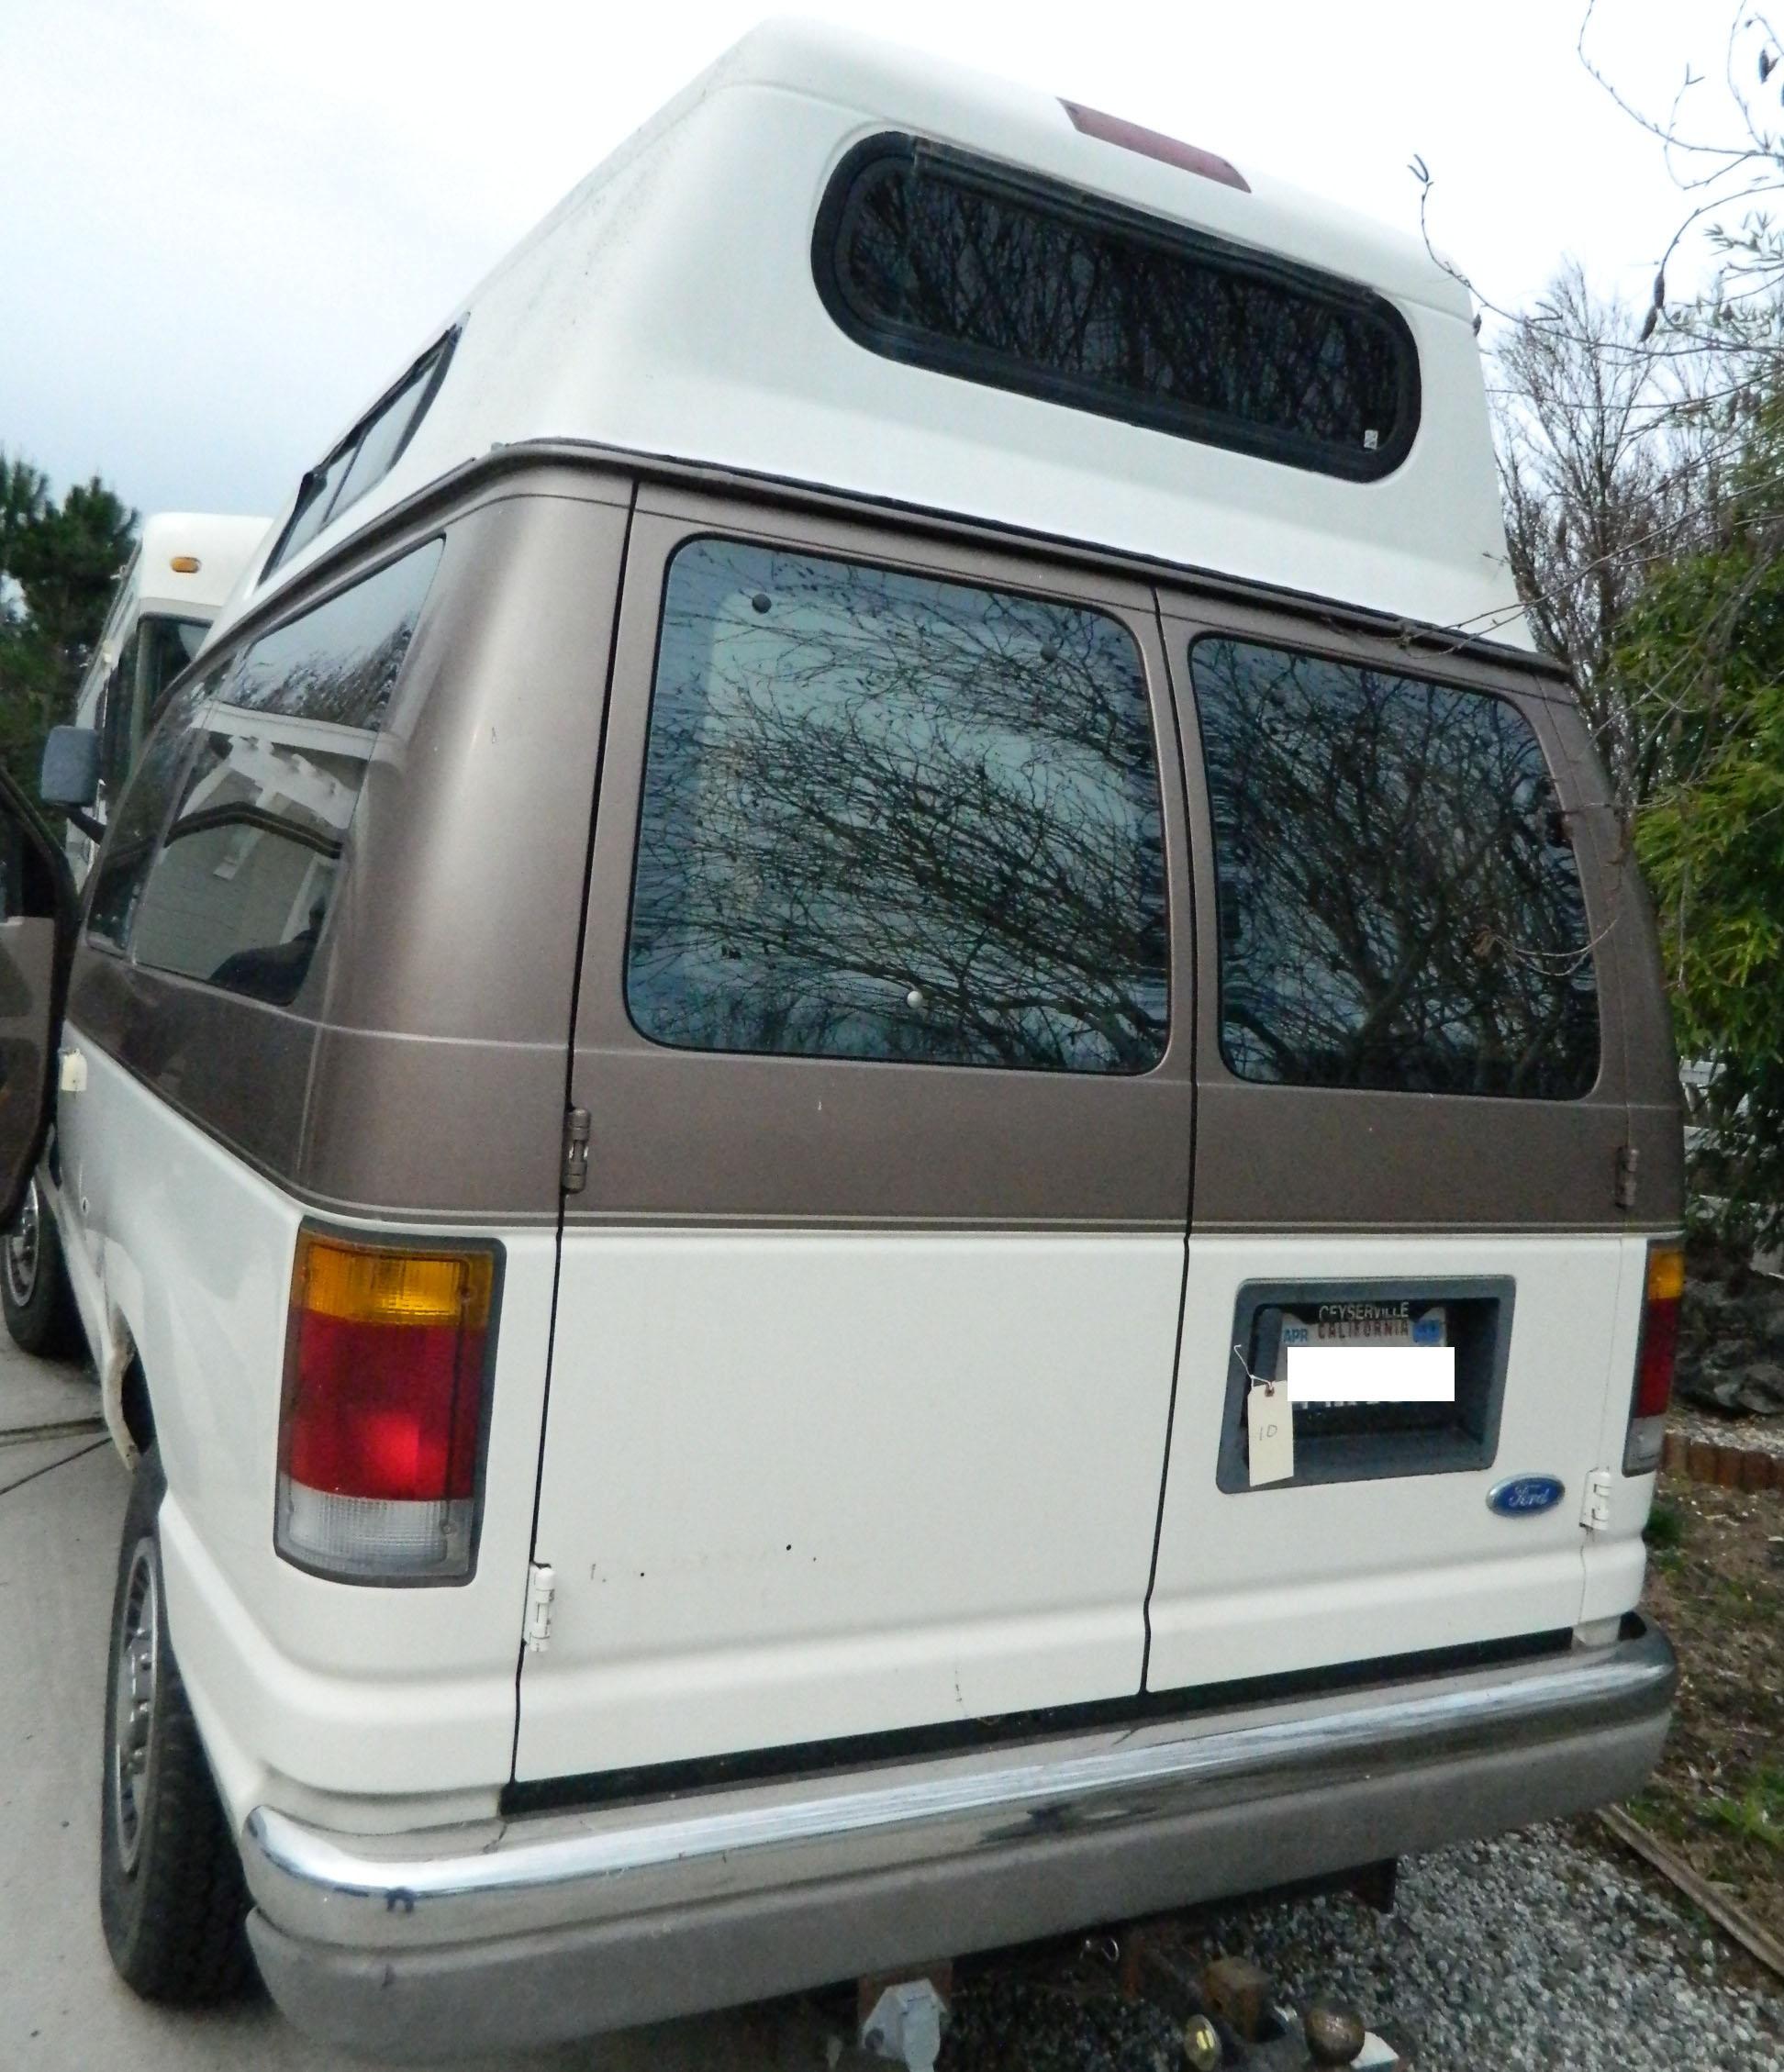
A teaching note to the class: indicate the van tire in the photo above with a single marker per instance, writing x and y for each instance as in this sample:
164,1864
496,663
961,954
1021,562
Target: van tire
171,1897
34,1291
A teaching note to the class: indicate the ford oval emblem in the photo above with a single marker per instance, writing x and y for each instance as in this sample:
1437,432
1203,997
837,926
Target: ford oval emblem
1523,1494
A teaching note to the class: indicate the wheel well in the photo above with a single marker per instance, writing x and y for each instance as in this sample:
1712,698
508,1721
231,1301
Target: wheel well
138,1411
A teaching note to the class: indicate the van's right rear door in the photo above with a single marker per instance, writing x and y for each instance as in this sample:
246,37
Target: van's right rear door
1409,1110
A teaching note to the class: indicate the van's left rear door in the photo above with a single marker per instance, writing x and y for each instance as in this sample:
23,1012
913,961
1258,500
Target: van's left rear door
867,1317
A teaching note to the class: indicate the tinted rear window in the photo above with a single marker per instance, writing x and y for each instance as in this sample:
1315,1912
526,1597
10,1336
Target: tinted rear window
896,819
965,267
1400,902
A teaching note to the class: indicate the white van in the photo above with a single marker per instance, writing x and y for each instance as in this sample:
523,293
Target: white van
880,837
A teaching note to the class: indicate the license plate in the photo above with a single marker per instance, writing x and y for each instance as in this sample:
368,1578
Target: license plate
1362,1323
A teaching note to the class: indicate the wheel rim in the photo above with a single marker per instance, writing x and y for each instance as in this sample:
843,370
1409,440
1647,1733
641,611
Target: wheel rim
23,1249
138,1646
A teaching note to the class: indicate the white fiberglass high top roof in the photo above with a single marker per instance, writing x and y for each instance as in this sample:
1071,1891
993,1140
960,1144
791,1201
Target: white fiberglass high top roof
188,562
668,305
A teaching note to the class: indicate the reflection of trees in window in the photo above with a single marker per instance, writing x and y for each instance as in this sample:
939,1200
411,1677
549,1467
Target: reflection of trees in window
1006,283
890,817
241,882
136,825
1400,904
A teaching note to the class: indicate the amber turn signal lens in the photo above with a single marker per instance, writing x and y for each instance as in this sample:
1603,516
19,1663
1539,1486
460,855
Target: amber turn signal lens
366,1285
1665,1273
185,564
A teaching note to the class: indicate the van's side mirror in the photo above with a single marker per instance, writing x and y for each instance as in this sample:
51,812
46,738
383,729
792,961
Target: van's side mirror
71,775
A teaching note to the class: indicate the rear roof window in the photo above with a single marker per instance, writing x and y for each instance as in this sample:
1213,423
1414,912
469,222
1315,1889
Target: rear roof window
1400,902
972,269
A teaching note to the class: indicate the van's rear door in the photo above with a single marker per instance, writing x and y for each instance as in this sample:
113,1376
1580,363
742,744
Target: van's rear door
1410,1107
868,1307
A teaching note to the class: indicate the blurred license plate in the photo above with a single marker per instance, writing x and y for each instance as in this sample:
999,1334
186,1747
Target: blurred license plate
1361,1323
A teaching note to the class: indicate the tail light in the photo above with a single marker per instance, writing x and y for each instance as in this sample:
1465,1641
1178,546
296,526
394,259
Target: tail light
388,1352
1655,1358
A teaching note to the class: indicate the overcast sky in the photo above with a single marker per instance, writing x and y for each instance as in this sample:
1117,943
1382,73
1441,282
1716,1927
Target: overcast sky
225,223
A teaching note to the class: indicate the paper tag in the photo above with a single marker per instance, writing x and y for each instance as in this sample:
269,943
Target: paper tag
1271,1420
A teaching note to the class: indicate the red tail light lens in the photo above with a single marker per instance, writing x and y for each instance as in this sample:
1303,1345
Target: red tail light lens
387,1360
1656,1358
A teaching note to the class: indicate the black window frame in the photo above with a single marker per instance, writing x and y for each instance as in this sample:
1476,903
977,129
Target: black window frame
433,365
1409,671
918,347
885,563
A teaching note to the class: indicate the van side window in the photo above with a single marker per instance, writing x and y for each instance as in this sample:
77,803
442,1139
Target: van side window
1399,903
891,817
266,786
136,825
927,255
366,456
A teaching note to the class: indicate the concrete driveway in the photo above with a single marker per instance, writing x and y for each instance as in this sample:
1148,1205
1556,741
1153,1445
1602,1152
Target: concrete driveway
61,2007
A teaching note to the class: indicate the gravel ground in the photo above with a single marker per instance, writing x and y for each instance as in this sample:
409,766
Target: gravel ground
1766,1435
1527,1953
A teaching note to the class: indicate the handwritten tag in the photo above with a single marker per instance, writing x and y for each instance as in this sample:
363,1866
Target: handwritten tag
1270,1418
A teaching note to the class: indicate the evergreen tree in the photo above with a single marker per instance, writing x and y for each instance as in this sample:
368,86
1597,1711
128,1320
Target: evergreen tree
59,562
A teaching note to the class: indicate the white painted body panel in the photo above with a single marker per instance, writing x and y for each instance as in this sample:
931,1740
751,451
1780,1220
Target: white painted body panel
668,306
300,1686
801,1485
1263,1581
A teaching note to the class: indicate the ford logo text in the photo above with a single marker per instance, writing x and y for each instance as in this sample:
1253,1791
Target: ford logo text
1525,1493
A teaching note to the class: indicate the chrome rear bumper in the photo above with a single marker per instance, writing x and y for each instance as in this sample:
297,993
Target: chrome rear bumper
558,1924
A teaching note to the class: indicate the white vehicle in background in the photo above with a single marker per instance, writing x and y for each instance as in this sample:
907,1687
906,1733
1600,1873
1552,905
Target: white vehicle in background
172,586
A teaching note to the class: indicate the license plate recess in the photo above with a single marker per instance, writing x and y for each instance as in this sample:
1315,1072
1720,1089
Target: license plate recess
1365,1442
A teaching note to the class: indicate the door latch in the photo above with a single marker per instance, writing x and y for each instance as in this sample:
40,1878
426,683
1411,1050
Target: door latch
1595,1513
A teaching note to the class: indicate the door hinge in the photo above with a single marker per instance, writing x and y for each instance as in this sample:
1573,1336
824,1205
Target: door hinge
575,1150
1595,1514
1628,1159
542,1587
